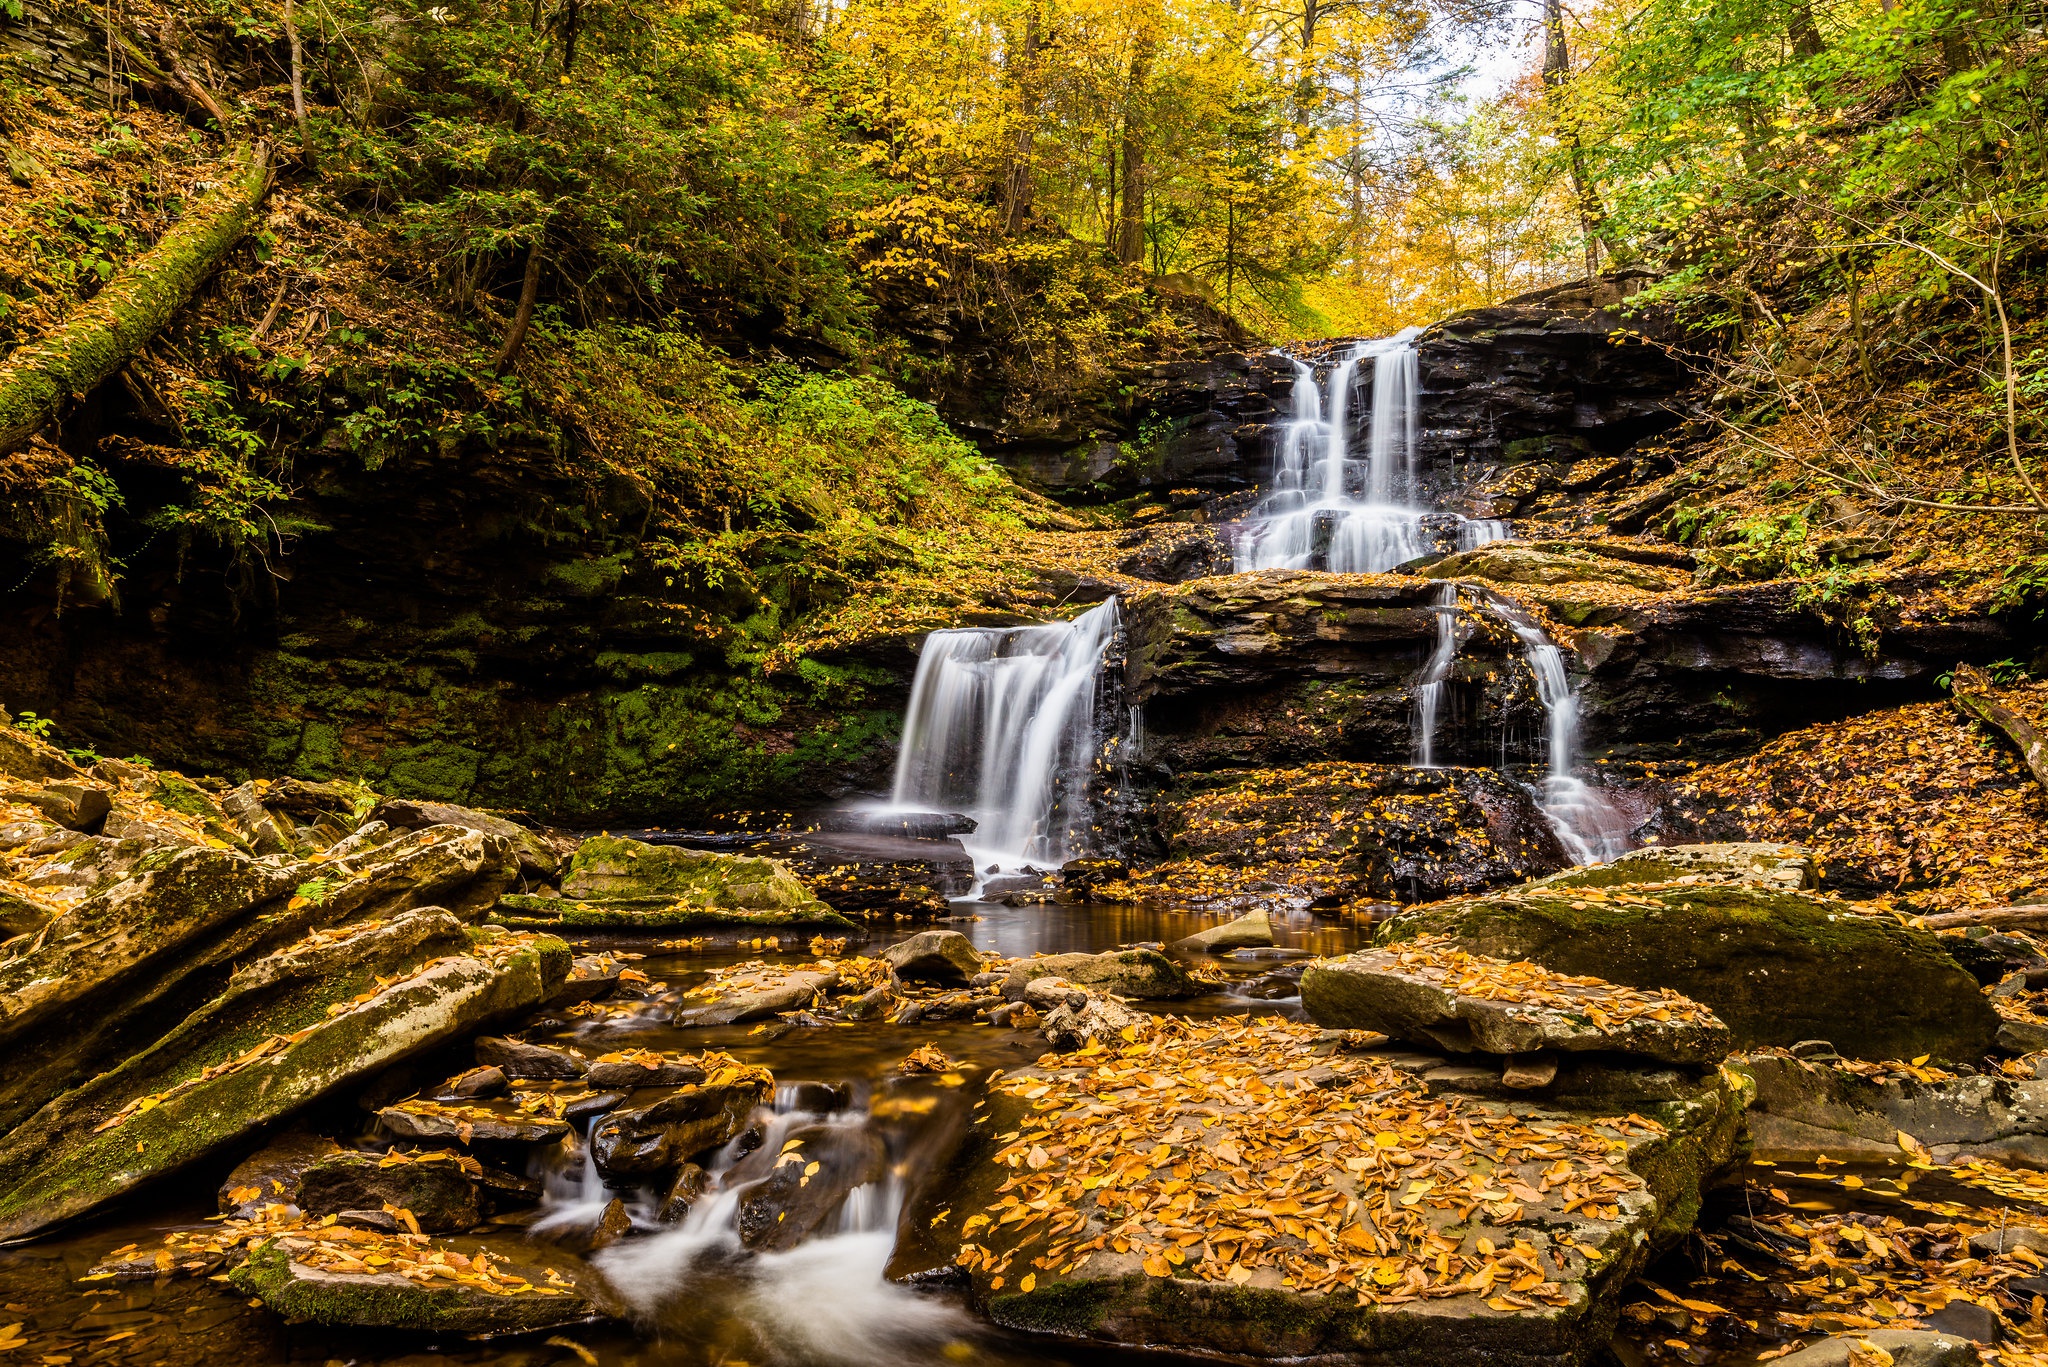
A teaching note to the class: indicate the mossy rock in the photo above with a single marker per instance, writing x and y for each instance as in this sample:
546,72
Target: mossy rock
610,867
1509,563
305,1295
524,911
1778,967
1145,974
1766,864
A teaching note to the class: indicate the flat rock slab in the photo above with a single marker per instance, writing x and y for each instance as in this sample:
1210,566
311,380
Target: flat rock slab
657,913
1253,930
1430,992
612,866
469,1123
644,1068
1787,867
1145,974
1290,1198
1777,967
1908,1348
287,1275
765,994
1808,1110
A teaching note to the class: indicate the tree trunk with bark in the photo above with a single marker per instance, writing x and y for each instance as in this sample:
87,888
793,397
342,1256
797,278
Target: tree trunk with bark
1557,72
1130,237
1017,176
98,338
1974,697
529,291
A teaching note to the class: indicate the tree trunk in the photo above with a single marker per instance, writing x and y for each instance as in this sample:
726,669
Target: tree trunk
1557,72
2008,917
291,33
1130,238
1017,177
100,336
181,75
1973,696
529,290
1805,33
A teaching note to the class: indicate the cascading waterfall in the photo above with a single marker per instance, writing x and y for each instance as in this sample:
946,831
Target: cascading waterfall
1587,824
1429,688
1325,509
1003,727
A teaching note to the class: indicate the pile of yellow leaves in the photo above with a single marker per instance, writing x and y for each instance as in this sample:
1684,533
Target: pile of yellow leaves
1234,1150
1437,959
927,1058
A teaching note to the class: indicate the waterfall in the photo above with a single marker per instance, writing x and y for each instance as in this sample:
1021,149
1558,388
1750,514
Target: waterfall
1324,511
1430,687
1002,726
1587,824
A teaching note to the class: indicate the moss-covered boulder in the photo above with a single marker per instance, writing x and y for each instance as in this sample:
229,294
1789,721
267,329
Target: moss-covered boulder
608,867
528,912
290,1030
519,1291
1289,1198
1509,562
1790,867
1778,967
1141,973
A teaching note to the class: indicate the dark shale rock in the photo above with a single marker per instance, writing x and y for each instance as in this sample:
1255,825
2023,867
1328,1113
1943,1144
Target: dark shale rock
653,1139
801,1186
517,1058
270,1176
433,1186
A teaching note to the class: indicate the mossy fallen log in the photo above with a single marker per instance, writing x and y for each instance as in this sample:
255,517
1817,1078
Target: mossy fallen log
99,336
1974,698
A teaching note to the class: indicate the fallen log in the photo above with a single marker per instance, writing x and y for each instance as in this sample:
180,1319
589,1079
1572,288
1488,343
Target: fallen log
1988,916
1972,694
99,336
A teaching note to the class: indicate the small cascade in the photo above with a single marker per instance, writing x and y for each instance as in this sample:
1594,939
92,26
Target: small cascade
1003,726
1429,688
1326,510
1589,827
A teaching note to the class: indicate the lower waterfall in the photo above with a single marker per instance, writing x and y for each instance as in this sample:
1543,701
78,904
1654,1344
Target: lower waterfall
1004,725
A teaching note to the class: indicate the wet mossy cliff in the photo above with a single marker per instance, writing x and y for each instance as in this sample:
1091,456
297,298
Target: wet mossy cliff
477,621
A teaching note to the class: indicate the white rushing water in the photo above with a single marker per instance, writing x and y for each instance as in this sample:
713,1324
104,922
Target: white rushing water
1429,688
1003,727
1329,510
1589,827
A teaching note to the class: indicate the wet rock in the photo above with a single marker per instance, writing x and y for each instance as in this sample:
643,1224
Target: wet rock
1407,994
806,1183
537,859
870,1005
1142,973
469,1124
517,1058
591,978
612,1224
1777,967
645,1070
1508,562
612,866
592,1106
684,1191
302,1294
792,992
1788,867
1251,931
934,956
652,1139
270,1176
201,1087
433,1186
1081,1018
1908,1348
1966,1319
477,1082
1806,1109
74,806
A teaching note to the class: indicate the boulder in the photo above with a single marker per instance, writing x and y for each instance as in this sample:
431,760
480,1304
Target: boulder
1080,1018
1777,967
1141,973
75,806
537,859
23,756
680,1126
463,870
1790,867
1428,992
470,1123
203,1087
934,956
804,1183
644,1069
477,1082
262,831
270,1176
1510,562
1365,1246
685,1189
518,1059
612,867
433,1186
790,991
1907,1347
302,1292
1253,930
1806,1110
529,911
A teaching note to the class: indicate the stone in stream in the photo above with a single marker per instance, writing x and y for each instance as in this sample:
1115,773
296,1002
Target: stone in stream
609,866
1907,1347
1806,1109
203,1086
1776,966
477,1082
270,1176
685,1189
1083,1018
591,977
1253,930
552,1289
934,956
644,1069
517,1058
1145,974
680,1126
433,1186
789,991
805,1183
1429,992
1407,1225
471,1123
